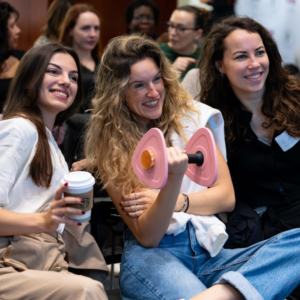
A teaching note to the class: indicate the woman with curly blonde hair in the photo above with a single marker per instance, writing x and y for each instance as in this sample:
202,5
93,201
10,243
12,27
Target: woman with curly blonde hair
138,89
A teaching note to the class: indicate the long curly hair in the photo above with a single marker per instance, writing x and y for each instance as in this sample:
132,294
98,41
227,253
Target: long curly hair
281,99
113,133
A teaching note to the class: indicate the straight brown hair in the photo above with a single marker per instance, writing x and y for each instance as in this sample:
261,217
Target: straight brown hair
22,102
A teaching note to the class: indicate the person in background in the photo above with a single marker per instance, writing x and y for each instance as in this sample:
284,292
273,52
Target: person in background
9,36
142,16
38,241
221,8
55,16
185,29
81,31
242,75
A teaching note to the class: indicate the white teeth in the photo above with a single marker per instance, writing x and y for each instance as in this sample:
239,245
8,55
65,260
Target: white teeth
151,103
59,93
253,76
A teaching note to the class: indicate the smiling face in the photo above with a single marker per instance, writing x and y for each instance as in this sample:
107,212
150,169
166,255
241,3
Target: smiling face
13,31
245,63
59,86
143,20
86,32
183,42
145,91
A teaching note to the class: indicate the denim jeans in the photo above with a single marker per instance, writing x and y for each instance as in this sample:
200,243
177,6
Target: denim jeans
180,268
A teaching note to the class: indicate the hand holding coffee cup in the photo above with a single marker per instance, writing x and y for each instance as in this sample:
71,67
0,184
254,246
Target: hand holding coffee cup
80,184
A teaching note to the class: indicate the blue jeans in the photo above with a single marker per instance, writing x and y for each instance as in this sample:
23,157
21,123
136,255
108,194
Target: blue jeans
180,268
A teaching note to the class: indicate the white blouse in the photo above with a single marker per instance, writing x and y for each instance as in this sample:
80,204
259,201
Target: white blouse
18,193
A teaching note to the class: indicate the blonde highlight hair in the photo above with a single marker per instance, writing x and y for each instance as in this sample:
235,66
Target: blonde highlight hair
113,133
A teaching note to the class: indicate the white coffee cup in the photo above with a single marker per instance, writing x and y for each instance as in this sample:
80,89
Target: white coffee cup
80,184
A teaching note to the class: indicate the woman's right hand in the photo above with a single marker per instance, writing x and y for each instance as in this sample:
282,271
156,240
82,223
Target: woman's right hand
78,165
59,208
181,63
177,163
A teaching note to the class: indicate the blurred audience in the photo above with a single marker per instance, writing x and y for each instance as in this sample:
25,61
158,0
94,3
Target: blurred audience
221,8
55,15
9,59
142,16
292,69
81,31
297,57
185,29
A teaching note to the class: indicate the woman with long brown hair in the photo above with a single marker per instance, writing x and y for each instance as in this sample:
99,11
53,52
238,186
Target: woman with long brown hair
242,76
138,89
9,35
33,258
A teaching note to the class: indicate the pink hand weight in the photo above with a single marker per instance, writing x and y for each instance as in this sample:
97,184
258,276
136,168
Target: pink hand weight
150,163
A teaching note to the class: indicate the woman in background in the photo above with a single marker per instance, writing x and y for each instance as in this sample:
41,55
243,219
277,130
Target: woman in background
34,240
81,31
55,16
142,16
9,36
185,29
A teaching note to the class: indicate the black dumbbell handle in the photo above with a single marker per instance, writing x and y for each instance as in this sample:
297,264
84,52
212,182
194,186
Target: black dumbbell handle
196,158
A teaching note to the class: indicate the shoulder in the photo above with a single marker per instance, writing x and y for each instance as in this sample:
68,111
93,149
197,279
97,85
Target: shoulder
163,46
41,40
20,128
191,83
206,112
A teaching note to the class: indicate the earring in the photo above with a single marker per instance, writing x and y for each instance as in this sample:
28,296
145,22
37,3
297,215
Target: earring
222,74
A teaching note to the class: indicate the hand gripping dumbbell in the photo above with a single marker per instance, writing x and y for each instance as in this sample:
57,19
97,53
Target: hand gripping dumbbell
150,162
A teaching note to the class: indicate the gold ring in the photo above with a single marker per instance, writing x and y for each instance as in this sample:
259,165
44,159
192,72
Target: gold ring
135,196
135,208
183,152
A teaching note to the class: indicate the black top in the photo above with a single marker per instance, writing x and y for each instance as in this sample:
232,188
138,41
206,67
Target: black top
265,176
4,83
88,83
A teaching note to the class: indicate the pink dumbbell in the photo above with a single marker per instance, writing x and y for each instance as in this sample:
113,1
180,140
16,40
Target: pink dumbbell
150,163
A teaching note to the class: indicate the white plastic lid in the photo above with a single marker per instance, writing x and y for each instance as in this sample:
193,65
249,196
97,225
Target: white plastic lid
78,180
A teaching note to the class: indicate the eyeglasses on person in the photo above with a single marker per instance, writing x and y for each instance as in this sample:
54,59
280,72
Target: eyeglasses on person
179,29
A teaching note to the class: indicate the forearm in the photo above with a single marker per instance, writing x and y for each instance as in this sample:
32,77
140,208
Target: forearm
153,224
13,223
212,201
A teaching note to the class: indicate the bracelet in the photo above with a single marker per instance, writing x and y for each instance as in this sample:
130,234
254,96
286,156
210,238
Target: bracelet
188,202
185,203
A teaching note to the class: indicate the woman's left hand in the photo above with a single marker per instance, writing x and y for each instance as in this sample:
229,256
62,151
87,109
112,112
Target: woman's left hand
136,203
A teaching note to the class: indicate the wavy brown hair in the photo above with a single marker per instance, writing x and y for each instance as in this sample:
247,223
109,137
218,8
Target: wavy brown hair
113,133
281,99
70,22
22,102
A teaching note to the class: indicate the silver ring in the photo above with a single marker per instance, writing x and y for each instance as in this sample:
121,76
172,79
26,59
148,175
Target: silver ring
135,208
